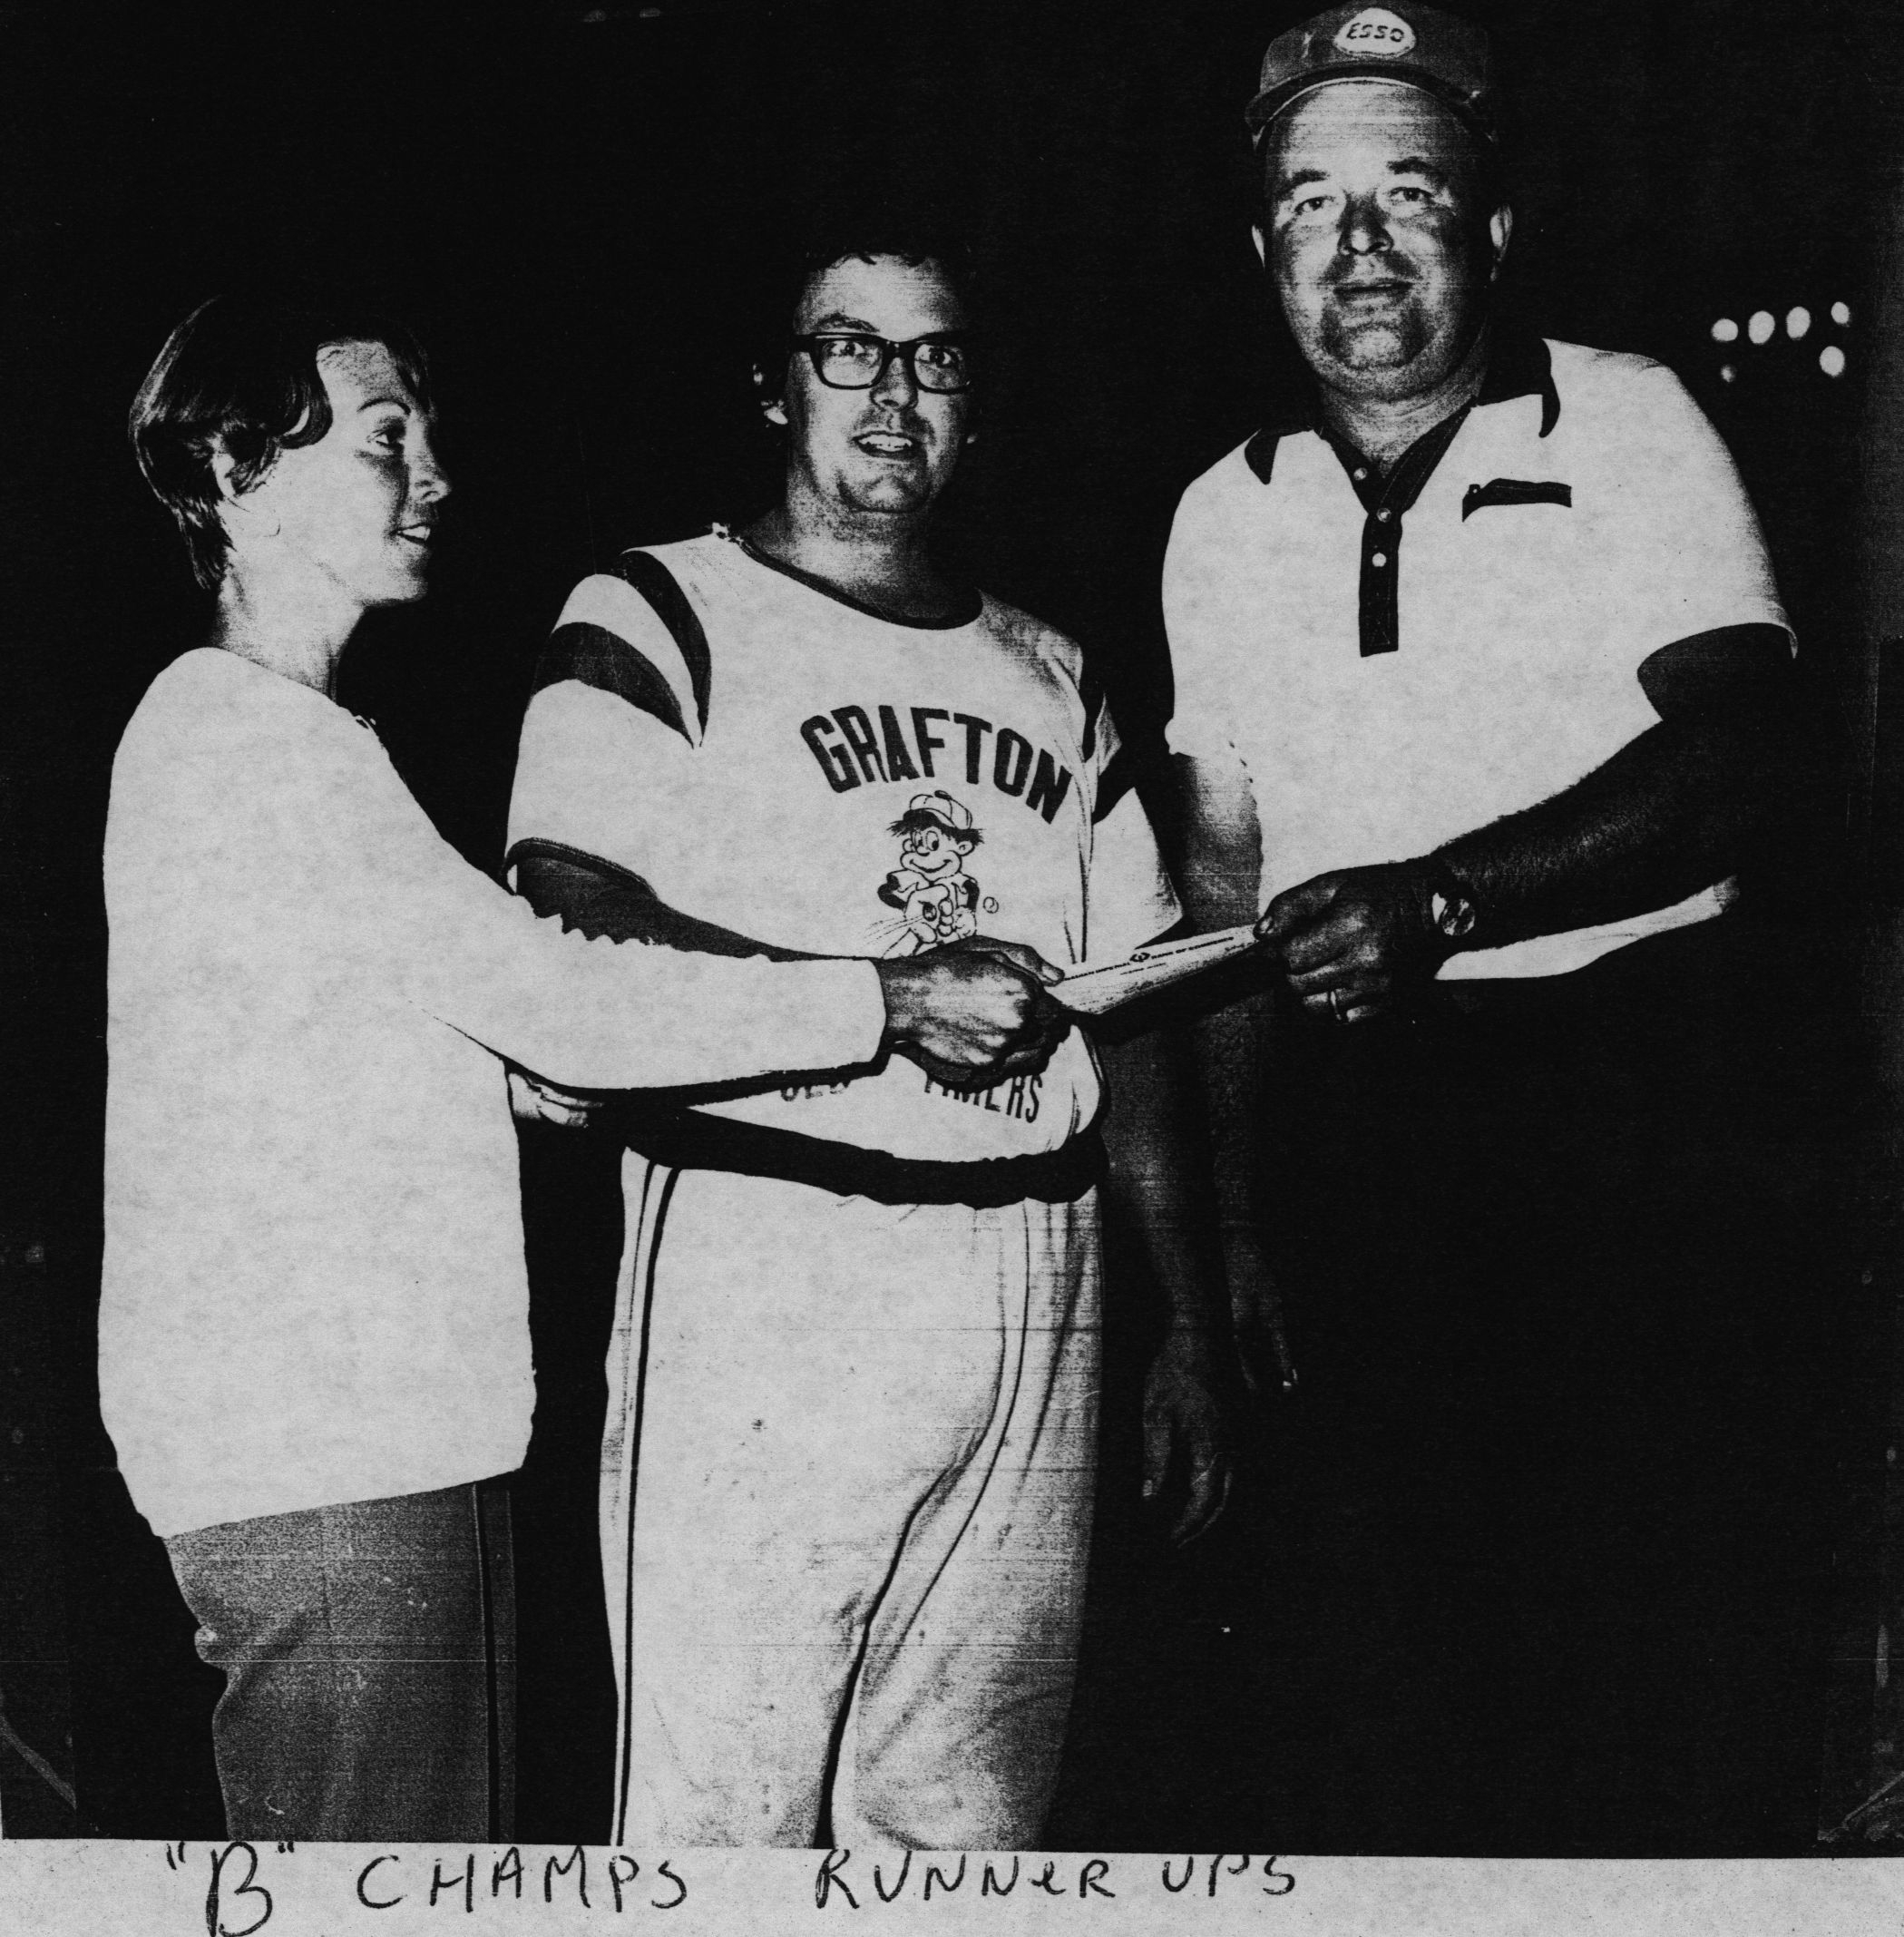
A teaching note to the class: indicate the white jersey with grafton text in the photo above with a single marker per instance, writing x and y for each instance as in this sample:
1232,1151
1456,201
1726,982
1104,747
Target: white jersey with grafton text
776,759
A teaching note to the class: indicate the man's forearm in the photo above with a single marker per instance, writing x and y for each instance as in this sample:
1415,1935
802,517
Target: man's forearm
1671,812
1159,1175
1226,1051
1218,864
1675,810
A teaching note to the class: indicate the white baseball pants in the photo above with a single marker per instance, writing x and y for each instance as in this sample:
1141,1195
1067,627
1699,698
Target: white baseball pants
846,1495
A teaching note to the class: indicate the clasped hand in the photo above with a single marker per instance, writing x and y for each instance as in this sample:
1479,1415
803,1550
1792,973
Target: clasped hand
1358,943
974,1013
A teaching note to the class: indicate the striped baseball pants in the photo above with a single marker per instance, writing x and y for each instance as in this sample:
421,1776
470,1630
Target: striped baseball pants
847,1494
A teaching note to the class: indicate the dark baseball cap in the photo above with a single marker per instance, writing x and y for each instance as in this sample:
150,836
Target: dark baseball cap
1419,46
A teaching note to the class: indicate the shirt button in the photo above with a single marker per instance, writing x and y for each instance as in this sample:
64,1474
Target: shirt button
1380,558
1382,516
1361,476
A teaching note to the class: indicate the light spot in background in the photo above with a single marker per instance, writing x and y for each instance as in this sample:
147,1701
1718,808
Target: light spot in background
1761,326
1797,322
1840,312
1725,330
1727,374
1830,360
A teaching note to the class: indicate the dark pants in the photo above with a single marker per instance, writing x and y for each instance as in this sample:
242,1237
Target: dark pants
368,1653
1550,1540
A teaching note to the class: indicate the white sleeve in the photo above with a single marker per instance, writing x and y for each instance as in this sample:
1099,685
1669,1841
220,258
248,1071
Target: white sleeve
601,1015
1130,899
1692,558
595,774
1199,719
610,733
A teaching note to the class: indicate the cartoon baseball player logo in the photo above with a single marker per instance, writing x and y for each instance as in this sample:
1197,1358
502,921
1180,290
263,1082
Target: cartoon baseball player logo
930,887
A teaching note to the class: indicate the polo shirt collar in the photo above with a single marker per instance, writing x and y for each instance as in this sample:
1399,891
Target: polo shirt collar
1519,364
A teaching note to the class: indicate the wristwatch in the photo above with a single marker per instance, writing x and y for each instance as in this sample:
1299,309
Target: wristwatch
1450,907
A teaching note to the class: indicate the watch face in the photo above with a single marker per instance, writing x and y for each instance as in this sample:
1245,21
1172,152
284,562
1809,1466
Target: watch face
1453,915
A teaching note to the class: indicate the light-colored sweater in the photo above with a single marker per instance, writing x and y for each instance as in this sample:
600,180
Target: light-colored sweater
314,1286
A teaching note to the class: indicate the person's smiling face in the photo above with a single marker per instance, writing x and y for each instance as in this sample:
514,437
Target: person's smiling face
892,449
932,851
1379,245
359,505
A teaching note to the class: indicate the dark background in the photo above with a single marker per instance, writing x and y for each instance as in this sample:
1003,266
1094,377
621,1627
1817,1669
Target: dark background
570,204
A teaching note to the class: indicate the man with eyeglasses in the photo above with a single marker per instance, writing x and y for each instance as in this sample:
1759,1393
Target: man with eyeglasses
849,1464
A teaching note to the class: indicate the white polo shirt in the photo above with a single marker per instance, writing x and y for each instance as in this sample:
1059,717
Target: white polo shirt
1390,683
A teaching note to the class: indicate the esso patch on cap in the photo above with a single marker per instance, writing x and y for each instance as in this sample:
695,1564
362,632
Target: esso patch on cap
1375,30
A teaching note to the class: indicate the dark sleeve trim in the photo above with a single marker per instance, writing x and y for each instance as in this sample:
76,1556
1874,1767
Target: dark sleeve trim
1731,666
601,659
662,589
535,848
1514,491
590,895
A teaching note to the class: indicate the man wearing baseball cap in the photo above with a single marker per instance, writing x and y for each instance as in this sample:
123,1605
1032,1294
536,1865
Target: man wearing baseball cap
1481,675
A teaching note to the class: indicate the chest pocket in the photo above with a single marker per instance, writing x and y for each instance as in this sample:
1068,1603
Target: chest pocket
1515,491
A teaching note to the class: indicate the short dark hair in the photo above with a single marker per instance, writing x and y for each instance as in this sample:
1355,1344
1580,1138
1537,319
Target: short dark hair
240,374
917,820
814,246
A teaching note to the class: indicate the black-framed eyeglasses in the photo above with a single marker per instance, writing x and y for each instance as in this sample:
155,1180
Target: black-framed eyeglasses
844,360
